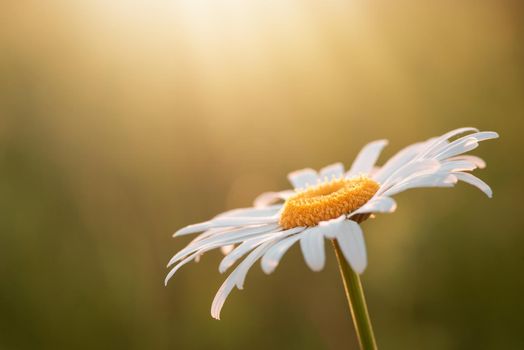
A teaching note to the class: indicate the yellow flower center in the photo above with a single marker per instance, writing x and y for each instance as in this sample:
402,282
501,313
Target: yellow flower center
327,201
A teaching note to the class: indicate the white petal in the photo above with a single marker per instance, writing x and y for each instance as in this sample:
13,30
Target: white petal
332,171
373,171
179,265
233,279
475,181
397,161
194,256
230,218
193,228
479,162
246,246
253,211
465,144
432,180
268,198
303,178
367,158
457,165
226,249
230,259
480,136
271,259
456,132
379,204
312,244
244,220
351,242
442,141
222,294
220,239
261,250
412,169
457,147
211,232
330,227
487,135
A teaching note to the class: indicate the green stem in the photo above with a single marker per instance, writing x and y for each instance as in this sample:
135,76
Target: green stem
356,301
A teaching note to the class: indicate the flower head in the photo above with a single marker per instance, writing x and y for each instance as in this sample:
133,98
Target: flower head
329,204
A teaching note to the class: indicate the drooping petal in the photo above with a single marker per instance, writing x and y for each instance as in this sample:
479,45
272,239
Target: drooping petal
221,296
194,256
312,245
332,171
272,257
265,246
248,245
218,240
303,178
351,242
367,158
194,228
179,265
475,181
235,217
212,232
233,279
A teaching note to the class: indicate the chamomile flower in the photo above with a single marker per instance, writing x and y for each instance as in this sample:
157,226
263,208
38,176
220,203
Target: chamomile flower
329,204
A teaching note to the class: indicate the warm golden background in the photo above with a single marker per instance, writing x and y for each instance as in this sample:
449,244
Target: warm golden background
121,121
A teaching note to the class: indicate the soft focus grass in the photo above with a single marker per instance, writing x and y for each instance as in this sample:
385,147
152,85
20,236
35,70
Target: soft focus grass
123,121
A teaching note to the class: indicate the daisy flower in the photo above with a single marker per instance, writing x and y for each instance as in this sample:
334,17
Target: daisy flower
329,204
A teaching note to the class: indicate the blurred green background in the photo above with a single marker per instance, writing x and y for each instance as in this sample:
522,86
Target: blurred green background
121,121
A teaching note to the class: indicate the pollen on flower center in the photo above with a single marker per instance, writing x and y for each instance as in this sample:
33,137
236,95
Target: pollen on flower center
326,201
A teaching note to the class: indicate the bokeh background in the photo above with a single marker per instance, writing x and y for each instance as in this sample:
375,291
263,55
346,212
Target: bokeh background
121,121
